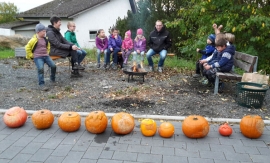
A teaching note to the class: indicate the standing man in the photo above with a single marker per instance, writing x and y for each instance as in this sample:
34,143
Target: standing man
61,47
159,42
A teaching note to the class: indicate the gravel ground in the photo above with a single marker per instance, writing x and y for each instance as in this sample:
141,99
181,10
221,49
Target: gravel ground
170,93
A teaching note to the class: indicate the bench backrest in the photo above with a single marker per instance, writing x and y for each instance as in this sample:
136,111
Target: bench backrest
245,61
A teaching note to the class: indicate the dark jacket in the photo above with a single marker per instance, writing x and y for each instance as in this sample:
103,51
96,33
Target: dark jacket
160,40
225,59
59,45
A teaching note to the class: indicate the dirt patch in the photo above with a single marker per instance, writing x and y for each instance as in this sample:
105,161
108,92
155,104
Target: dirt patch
173,92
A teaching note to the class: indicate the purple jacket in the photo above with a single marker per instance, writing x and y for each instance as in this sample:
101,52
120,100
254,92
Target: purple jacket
140,44
115,43
102,44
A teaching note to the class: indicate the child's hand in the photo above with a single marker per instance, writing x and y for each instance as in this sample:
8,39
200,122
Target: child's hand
214,26
198,50
202,61
138,51
111,49
207,67
74,47
115,36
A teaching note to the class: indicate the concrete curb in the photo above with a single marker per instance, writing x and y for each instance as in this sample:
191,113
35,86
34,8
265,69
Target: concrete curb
156,117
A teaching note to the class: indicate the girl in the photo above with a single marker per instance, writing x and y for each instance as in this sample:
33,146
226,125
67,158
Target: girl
127,47
102,45
114,46
71,37
139,47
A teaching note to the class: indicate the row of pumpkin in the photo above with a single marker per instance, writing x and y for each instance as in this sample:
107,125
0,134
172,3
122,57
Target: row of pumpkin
193,126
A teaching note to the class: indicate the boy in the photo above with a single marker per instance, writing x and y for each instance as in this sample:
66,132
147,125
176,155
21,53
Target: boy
224,61
71,37
38,48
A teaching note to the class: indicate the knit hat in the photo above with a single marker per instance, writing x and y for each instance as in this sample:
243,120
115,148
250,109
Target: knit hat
139,31
128,33
212,38
40,27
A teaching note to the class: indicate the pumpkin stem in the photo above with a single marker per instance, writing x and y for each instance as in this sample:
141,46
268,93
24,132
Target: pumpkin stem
195,118
42,111
69,114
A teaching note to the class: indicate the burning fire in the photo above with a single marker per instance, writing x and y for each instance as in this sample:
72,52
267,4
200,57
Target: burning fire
134,68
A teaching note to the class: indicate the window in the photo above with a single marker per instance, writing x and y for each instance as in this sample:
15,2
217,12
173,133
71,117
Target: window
92,35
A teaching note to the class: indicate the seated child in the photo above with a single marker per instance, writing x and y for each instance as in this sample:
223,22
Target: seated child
127,46
71,37
38,48
209,49
102,45
139,47
114,46
224,61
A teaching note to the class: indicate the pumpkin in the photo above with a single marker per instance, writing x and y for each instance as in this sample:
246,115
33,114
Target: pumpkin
96,122
225,130
122,123
148,127
15,117
42,119
69,121
195,126
166,130
252,126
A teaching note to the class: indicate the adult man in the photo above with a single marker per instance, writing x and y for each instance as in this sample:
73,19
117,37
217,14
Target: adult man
61,47
159,42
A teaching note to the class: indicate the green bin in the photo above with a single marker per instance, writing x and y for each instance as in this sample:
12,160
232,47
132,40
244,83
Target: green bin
250,95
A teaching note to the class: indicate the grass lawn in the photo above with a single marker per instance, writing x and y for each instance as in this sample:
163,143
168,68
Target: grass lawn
7,53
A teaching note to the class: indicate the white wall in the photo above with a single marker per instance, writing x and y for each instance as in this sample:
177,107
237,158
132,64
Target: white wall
6,32
101,17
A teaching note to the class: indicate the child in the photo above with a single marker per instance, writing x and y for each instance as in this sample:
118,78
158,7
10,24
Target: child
209,49
127,46
38,48
224,61
139,46
114,46
102,45
71,37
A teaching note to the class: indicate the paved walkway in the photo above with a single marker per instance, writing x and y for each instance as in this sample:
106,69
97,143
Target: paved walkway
27,144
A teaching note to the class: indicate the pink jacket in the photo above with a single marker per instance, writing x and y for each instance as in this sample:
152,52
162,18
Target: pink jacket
127,44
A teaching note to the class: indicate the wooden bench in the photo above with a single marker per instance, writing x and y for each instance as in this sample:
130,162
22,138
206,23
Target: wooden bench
244,61
168,54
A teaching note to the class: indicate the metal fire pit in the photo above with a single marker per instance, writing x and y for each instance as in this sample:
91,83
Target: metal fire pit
129,71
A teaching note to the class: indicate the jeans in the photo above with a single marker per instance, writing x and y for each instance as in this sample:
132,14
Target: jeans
40,68
137,55
115,56
162,54
81,54
99,54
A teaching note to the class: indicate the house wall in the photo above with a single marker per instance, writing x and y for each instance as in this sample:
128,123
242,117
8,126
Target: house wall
100,17
6,32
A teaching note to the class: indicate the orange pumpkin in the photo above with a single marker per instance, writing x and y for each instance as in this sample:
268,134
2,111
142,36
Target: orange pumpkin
148,127
122,123
195,126
96,122
42,119
15,117
252,126
69,121
225,130
166,130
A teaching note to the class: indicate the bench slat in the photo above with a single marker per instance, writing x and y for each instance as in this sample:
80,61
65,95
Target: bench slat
243,65
244,61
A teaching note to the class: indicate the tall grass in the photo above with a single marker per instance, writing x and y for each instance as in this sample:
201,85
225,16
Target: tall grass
6,53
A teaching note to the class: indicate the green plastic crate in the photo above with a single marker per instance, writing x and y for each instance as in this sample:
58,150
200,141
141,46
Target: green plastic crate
250,97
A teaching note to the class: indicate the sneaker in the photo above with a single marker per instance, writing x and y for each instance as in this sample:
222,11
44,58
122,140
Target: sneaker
53,82
80,67
75,67
151,69
205,82
43,88
98,65
114,66
202,79
75,74
196,75
160,69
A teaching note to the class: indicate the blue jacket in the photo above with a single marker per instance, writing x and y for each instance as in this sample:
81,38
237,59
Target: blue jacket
115,43
225,59
214,57
209,49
